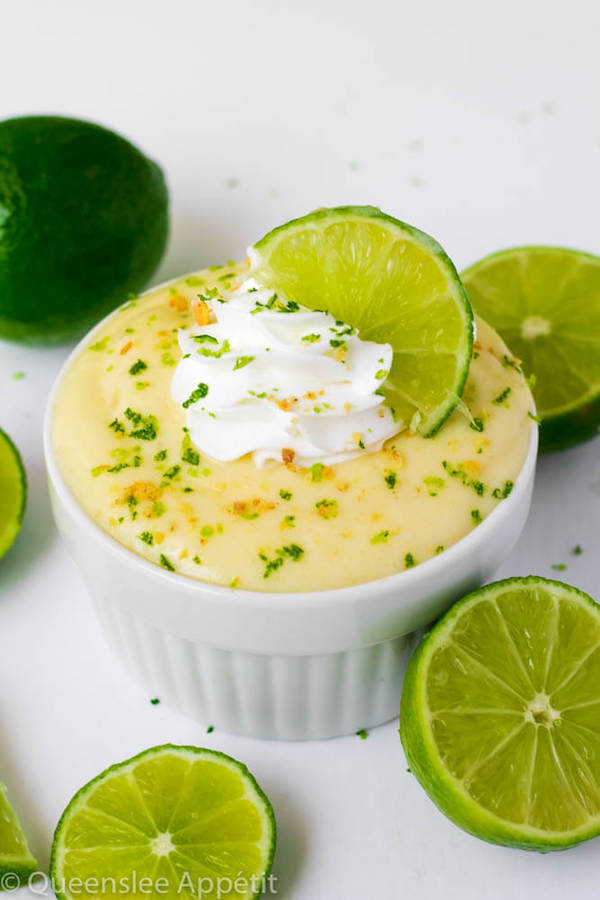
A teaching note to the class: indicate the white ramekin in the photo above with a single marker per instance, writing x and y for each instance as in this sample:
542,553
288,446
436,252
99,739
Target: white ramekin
285,666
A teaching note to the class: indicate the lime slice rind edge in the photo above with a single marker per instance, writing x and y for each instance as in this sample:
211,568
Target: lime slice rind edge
9,535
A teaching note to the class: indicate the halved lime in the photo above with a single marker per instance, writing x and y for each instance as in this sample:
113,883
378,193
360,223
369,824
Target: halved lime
545,302
500,715
17,862
391,282
13,492
192,822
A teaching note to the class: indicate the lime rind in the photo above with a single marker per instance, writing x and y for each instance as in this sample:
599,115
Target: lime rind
570,422
17,863
253,792
446,791
16,872
11,525
85,214
426,420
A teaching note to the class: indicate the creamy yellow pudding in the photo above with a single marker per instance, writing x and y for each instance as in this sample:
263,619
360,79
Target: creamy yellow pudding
127,456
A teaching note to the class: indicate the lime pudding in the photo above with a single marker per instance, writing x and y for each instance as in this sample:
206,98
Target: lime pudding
229,433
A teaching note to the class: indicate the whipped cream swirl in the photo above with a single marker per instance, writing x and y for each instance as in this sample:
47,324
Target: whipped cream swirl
269,377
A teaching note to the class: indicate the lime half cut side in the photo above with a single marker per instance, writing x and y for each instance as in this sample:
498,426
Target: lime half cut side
545,302
17,863
13,492
391,282
191,822
500,715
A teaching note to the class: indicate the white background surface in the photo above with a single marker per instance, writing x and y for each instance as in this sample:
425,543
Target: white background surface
476,121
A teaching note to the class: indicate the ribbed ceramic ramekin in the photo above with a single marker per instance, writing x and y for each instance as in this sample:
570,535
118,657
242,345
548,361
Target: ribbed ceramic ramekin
285,666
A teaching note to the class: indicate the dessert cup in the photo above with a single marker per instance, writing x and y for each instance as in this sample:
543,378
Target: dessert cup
288,666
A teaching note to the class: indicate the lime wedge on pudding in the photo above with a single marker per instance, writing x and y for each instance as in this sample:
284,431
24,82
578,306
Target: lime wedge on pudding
13,491
16,860
500,715
391,282
545,302
194,818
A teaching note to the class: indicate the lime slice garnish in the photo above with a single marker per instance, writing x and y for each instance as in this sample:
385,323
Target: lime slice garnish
500,716
545,302
16,860
13,491
391,282
194,818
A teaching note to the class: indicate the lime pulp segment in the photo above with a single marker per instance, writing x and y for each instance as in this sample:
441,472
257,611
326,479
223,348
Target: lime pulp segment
500,716
13,492
545,302
193,818
16,860
391,282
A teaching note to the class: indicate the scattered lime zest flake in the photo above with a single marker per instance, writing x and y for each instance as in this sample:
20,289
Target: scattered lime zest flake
100,345
138,366
327,509
434,484
390,479
290,551
243,361
503,493
459,472
316,471
381,537
501,399
197,394
166,563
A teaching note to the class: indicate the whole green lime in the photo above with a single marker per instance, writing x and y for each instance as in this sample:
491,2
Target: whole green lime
84,222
